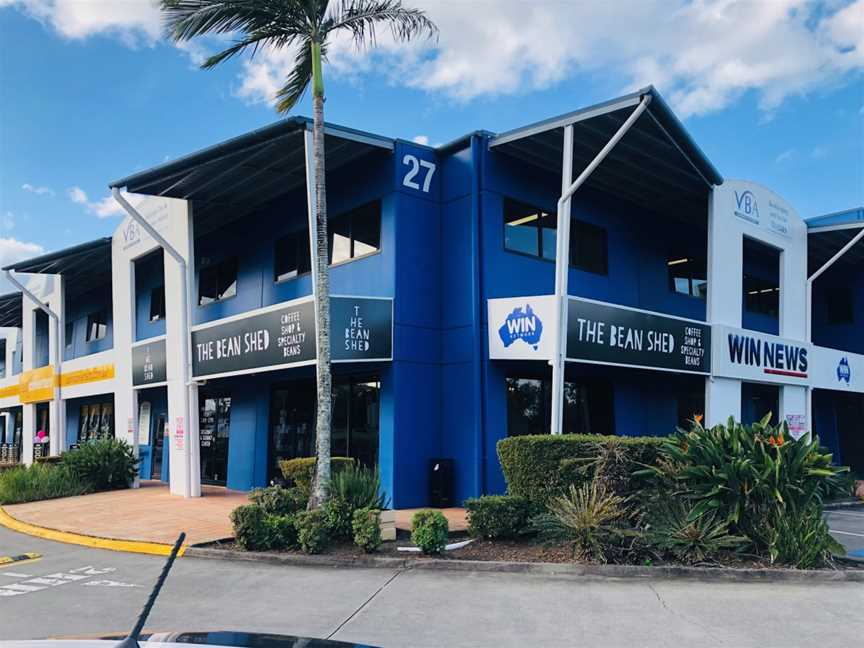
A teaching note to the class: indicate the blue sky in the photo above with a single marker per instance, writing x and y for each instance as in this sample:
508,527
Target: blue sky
89,92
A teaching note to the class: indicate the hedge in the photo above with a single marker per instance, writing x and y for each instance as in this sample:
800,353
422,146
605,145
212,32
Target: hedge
299,471
537,467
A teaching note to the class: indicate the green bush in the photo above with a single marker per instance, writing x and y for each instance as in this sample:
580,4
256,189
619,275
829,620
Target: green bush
590,517
498,516
366,525
276,500
359,486
280,532
300,471
763,483
539,467
338,514
105,464
39,482
312,531
671,531
429,531
248,523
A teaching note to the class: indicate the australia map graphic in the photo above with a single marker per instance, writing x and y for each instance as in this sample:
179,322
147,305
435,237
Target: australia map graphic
521,324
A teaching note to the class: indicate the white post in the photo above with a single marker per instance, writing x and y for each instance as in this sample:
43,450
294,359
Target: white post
562,268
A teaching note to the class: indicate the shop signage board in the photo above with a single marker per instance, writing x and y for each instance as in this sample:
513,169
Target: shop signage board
284,336
603,333
37,385
149,363
837,370
522,328
749,355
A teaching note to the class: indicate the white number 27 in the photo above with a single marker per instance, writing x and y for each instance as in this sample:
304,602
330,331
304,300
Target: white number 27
415,164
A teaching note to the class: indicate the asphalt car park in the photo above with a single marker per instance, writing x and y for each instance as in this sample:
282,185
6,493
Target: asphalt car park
847,526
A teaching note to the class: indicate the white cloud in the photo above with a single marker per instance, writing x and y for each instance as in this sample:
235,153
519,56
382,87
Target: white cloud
421,139
785,156
104,208
41,191
12,250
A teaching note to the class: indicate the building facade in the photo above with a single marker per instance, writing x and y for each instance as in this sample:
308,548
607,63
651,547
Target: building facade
190,332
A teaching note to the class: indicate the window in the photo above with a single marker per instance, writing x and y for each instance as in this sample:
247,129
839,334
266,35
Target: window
587,407
761,296
529,230
2,362
97,326
69,332
217,281
688,276
355,234
292,256
838,305
588,248
157,303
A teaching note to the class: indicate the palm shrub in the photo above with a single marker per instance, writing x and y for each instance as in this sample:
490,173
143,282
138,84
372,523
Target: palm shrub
353,488
104,464
39,482
671,530
589,517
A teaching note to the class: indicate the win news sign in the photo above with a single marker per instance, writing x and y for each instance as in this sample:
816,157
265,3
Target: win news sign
281,336
749,355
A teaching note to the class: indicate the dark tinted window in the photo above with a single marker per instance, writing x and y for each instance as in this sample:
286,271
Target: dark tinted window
688,276
587,407
97,325
355,234
292,256
588,247
217,281
839,305
69,331
157,303
761,296
522,228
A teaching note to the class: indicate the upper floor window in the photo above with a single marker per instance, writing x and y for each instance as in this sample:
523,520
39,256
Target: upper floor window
69,333
157,303
761,296
688,276
217,281
838,305
355,234
530,230
97,326
292,256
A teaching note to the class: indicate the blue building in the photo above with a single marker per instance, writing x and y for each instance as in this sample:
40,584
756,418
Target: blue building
432,252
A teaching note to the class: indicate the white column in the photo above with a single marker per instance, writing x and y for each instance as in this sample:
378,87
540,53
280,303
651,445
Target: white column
722,400
56,334
794,401
28,430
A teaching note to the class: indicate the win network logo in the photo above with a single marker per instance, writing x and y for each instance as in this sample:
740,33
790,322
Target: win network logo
844,372
521,324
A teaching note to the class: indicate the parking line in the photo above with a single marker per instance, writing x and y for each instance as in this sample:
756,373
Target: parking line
855,515
857,535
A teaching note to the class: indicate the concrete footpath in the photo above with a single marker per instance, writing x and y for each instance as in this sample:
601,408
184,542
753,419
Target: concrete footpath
74,590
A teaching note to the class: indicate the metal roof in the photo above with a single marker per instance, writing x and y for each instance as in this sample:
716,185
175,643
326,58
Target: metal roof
657,164
84,266
827,234
11,310
252,169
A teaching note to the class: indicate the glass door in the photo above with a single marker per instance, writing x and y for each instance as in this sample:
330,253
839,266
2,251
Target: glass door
214,427
292,424
158,444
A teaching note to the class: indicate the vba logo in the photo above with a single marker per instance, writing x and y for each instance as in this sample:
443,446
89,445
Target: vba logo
844,372
746,206
521,324
131,233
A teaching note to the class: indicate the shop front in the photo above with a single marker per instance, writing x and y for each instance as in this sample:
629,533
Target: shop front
11,430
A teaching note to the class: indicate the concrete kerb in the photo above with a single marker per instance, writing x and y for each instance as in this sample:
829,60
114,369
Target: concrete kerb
628,572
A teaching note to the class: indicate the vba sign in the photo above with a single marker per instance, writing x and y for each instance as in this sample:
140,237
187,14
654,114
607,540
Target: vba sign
756,356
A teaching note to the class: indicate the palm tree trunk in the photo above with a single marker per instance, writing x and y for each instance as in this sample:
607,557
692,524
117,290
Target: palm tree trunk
322,297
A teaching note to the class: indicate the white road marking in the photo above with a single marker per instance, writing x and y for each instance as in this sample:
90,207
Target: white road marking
857,535
9,592
22,587
39,583
14,574
860,516
107,583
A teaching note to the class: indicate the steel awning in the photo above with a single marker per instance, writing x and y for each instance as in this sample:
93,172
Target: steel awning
657,164
83,266
252,169
826,235
11,310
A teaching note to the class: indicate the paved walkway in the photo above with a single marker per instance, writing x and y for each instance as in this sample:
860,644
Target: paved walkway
149,514
455,517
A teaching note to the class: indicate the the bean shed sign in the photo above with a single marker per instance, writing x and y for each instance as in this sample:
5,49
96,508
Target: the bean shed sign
285,336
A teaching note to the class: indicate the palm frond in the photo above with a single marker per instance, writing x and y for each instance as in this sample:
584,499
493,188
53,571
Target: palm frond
362,17
298,80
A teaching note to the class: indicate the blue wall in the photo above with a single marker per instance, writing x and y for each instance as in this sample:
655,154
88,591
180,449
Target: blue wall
846,337
78,308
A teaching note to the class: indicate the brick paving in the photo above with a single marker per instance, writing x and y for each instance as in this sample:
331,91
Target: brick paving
455,517
149,514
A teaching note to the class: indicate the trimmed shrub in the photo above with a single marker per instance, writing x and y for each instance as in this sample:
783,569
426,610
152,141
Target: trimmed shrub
498,516
539,467
39,482
338,514
312,531
276,500
300,471
280,532
429,531
366,525
104,464
248,523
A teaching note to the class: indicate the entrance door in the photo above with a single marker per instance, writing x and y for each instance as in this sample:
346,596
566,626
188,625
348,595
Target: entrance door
292,423
214,427
158,444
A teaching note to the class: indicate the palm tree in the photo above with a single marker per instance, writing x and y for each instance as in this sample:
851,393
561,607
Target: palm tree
306,25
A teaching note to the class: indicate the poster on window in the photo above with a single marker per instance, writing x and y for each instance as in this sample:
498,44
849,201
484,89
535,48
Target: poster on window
604,333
